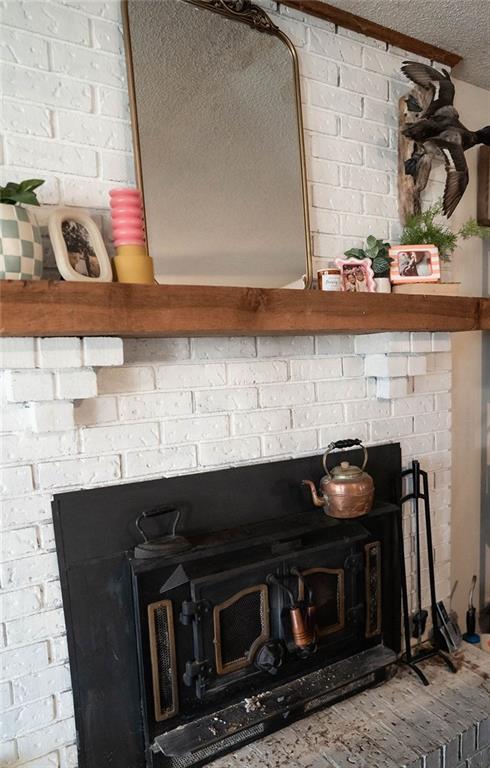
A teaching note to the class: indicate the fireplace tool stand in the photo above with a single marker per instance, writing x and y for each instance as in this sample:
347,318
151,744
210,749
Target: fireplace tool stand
437,610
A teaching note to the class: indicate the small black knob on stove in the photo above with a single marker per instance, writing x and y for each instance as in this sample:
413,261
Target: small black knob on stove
269,657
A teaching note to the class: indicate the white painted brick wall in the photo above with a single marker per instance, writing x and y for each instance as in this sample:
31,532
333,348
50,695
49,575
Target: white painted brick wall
386,389
26,386
386,366
71,384
177,405
162,461
17,353
183,406
153,405
60,353
51,416
102,351
66,115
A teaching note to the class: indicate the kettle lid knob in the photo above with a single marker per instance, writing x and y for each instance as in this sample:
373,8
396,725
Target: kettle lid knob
340,444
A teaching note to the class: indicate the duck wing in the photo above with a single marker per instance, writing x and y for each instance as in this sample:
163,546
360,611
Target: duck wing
438,84
430,125
456,173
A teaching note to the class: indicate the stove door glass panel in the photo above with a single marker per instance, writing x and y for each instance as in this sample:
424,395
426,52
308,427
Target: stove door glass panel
327,592
241,624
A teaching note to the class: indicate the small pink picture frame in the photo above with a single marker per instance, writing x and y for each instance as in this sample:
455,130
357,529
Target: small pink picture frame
414,264
356,275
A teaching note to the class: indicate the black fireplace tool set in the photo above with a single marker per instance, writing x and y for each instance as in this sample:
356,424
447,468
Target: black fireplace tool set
445,635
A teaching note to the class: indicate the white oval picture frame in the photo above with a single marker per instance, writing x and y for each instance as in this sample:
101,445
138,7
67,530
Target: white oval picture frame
94,250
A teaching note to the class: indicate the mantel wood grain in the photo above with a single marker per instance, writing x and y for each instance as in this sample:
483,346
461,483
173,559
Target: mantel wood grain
371,29
485,314
48,308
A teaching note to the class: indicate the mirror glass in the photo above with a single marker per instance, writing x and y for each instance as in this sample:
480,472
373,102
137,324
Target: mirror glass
221,162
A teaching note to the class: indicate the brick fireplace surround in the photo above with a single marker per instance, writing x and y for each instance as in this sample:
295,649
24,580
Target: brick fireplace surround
100,411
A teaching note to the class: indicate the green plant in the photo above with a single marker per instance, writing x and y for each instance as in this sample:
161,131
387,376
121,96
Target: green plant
23,193
425,228
377,251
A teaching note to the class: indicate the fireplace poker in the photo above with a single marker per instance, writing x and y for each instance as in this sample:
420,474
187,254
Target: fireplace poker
414,626
419,618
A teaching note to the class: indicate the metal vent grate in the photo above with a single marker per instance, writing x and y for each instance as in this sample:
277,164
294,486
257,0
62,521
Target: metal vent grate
213,751
163,663
241,623
327,586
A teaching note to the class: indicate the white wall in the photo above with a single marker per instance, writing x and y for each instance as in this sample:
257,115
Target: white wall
485,482
183,405
468,386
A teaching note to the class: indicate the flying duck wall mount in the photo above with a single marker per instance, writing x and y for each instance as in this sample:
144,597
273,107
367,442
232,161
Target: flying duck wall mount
430,130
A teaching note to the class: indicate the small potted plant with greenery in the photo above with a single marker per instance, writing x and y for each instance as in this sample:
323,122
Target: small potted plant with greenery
429,228
21,256
377,251
424,229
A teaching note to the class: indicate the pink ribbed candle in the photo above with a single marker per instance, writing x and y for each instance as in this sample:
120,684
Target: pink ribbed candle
127,217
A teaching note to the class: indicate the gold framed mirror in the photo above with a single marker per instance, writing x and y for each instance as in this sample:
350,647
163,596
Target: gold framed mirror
218,137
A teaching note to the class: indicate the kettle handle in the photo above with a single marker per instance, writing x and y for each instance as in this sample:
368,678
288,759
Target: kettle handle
340,444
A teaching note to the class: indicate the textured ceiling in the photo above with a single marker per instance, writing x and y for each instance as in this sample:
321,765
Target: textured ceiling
460,26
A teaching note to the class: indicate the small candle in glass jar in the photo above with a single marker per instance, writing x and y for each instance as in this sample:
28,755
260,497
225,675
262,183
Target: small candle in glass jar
329,280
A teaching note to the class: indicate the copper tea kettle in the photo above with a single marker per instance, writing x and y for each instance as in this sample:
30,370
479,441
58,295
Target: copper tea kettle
346,490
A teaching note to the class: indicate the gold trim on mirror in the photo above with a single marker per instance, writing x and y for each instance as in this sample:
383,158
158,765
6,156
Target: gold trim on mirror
240,10
248,13
132,102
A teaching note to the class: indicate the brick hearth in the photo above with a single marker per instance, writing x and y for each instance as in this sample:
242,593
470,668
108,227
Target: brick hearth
399,725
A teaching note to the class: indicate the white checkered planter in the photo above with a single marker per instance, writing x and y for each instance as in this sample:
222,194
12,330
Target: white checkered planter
21,252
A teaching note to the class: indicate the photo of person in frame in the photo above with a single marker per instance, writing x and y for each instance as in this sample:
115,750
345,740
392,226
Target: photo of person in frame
349,280
354,279
361,284
414,263
81,255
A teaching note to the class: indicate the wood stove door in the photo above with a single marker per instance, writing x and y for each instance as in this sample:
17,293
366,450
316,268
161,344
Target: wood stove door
235,621
333,582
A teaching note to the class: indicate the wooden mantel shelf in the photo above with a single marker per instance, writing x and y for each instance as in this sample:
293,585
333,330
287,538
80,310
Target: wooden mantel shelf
48,308
484,314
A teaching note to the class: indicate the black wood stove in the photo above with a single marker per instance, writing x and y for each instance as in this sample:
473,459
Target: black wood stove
256,611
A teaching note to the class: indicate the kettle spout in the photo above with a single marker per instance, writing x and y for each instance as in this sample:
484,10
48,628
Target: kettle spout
317,500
